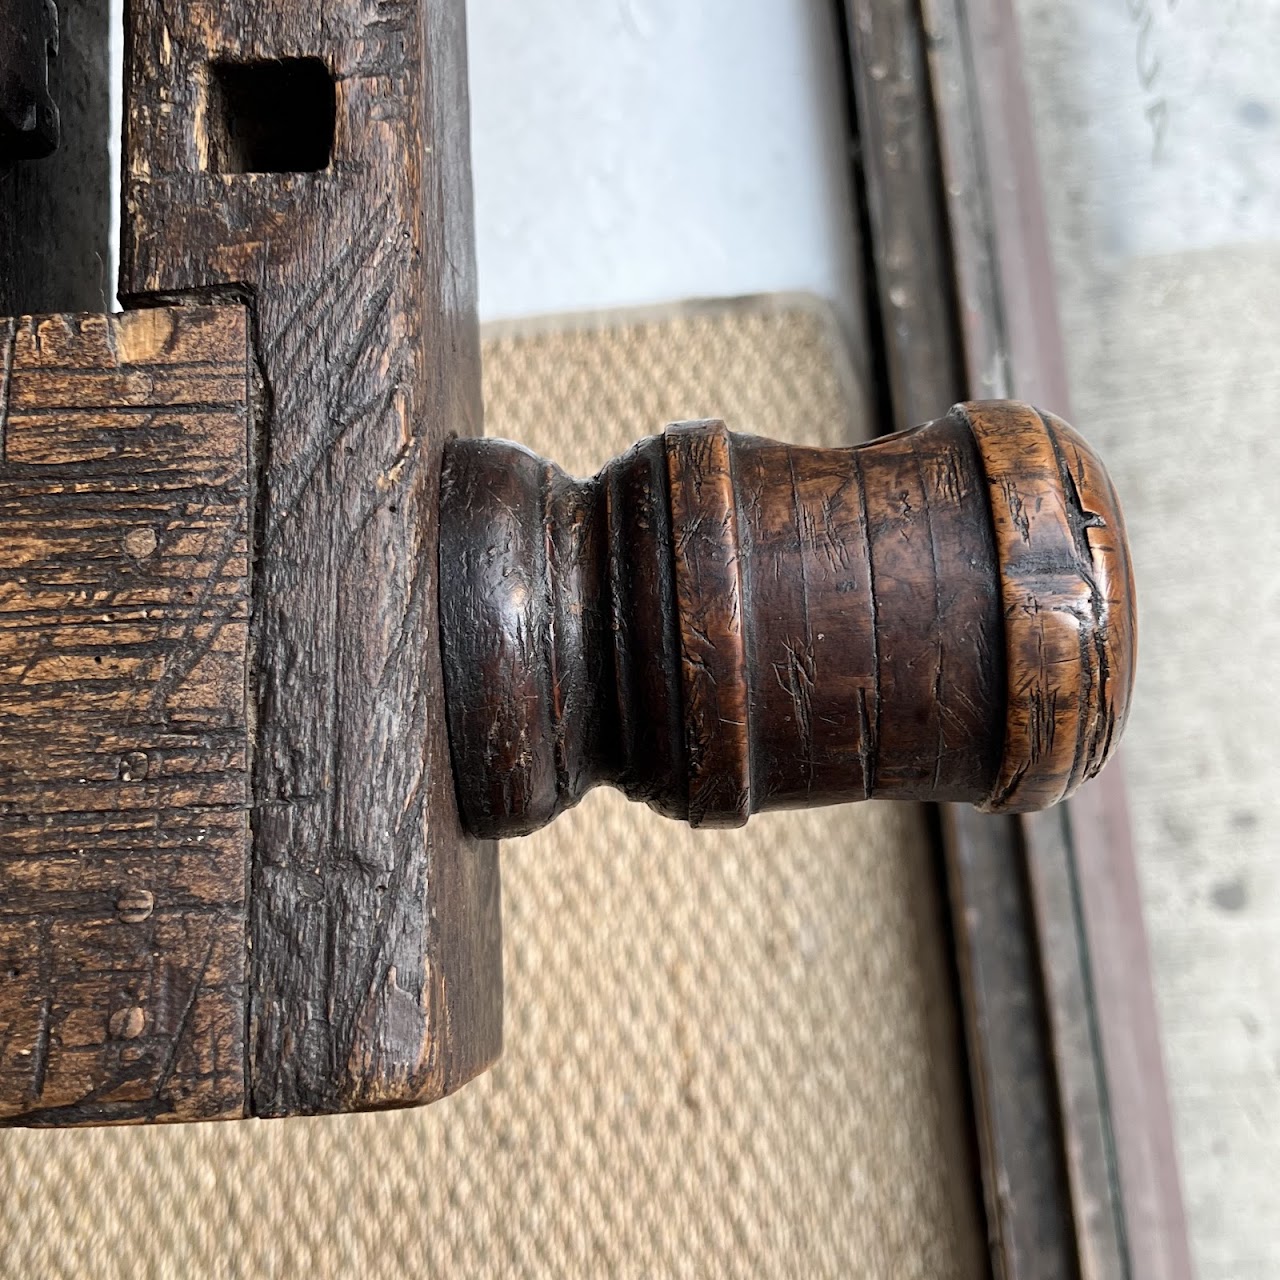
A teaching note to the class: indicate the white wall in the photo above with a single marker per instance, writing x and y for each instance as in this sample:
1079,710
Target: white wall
639,151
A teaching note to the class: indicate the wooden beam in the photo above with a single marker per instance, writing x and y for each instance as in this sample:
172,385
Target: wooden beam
312,160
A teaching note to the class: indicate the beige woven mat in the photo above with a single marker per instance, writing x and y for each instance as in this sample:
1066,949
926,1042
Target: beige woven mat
727,1054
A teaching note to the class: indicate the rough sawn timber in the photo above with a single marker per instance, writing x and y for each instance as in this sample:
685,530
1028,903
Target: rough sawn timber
375,961
124,627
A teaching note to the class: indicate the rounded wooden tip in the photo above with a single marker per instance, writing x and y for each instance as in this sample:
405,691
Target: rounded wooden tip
719,624
1068,600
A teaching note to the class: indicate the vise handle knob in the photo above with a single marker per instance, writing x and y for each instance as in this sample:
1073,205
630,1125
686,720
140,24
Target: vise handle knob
720,624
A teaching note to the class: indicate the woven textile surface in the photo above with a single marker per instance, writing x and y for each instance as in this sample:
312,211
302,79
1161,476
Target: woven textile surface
727,1053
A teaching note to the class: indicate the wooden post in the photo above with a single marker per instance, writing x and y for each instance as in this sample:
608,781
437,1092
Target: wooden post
312,161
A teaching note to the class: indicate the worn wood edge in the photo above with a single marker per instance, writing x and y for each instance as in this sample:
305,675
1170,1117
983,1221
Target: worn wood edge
1067,591
709,605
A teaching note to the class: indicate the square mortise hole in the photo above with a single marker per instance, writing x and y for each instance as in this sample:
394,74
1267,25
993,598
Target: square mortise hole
270,117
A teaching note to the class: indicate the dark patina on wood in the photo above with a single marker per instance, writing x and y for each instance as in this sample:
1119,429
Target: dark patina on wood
28,113
124,630
719,624
375,974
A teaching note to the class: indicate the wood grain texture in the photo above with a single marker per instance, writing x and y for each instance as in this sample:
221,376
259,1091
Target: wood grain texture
375,936
124,630
825,624
806,560
942,682
710,613
1066,587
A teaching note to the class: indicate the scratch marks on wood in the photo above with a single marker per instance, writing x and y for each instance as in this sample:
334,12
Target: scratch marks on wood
1068,600
834,611
709,607
362,276
124,615
933,562
843,617
9,331
40,1053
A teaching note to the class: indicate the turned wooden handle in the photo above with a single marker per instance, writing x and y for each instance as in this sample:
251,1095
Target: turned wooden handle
719,624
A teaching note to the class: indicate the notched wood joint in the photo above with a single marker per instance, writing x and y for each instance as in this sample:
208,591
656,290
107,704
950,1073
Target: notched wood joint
275,115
